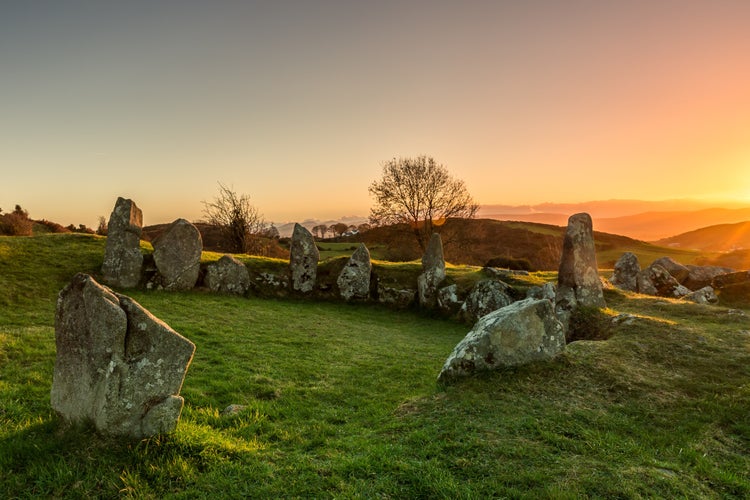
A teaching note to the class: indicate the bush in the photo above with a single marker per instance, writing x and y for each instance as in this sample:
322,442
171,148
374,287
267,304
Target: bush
16,223
510,263
589,323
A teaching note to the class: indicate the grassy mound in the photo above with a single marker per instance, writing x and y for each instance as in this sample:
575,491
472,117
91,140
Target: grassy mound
341,401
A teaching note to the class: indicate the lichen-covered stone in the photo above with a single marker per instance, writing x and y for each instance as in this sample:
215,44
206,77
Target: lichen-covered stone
705,295
517,334
626,271
354,280
116,366
486,296
447,300
674,268
396,297
177,254
303,260
656,280
227,275
578,281
433,273
123,259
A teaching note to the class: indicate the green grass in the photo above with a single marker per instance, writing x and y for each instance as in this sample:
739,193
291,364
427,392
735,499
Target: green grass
342,401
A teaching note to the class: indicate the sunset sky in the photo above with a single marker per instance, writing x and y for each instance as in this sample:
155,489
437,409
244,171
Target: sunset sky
298,103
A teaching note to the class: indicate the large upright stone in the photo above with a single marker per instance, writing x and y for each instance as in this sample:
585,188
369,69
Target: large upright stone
354,279
578,281
433,272
626,271
227,275
517,334
177,255
303,260
117,366
122,253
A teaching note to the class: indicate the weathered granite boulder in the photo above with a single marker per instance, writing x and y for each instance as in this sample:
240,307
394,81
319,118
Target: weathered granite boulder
447,299
177,254
117,366
520,333
546,292
705,295
122,253
433,273
677,270
655,280
303,260
578,281
227,275
354,279
485,297
702,276
625,276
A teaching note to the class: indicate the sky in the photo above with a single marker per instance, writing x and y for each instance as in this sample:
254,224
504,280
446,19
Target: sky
299,103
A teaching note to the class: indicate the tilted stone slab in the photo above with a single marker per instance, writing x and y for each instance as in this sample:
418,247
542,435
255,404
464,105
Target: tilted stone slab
520,333
123,259
117,366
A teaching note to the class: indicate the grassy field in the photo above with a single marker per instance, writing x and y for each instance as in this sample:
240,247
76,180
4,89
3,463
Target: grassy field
342,401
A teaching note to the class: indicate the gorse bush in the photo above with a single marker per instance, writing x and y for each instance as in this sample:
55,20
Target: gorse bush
16,223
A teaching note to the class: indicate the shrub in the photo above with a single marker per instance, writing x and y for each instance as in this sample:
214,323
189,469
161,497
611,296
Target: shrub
510,263
16,223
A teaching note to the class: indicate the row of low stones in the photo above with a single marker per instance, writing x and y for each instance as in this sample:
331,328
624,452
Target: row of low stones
122,369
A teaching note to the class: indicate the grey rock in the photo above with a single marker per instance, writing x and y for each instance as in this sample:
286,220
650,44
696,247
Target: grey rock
396,297
626,271
447,299
517,334
656,280
433,273
677,270
123,259
546,292
303,260
578,282
116,365
227,275
177,254
701,276
232,409
485,297
354,279
705,295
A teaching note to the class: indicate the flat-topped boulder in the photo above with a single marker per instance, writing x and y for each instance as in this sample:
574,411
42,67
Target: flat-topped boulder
116,366
520,333
123,259
303,260
177,254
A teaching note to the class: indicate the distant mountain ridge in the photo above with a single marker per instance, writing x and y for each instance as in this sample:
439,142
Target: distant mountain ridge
718,238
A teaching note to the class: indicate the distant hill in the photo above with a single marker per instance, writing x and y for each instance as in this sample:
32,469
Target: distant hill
718,238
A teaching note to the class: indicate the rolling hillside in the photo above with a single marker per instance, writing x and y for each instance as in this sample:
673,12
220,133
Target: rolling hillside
718,238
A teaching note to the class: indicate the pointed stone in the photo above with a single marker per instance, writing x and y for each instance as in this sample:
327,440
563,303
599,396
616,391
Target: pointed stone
578,281
303,260
123,260
354,279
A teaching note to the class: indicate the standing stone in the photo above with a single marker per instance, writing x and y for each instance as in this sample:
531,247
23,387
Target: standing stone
485,297
177,254
227,275
578,281
122,254
626,272
517,334
433,272
354,279
303,260
116,366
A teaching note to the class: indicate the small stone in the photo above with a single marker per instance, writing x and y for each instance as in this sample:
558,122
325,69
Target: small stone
354,279
227,275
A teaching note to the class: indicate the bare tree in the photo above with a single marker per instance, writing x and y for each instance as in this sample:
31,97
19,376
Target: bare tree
421,193
320,230
238,219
